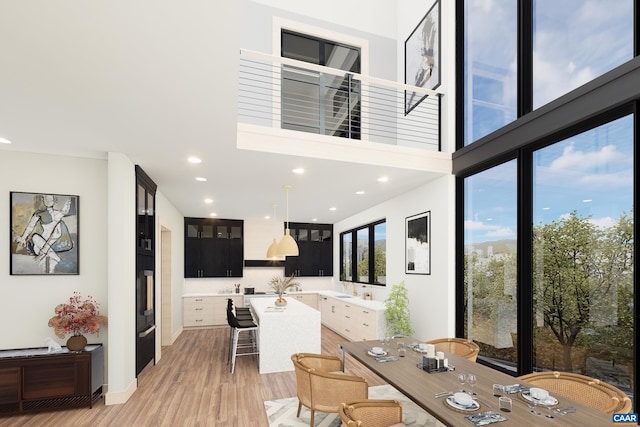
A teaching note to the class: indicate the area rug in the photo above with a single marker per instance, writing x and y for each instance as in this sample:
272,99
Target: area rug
282,412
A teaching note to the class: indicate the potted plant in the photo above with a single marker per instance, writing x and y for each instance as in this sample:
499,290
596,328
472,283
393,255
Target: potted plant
280,285
396,312
78,317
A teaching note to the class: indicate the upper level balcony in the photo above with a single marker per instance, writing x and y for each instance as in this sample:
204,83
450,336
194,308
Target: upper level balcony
290,95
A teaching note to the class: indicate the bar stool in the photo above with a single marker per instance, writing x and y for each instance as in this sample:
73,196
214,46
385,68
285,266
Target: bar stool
241,313
238,327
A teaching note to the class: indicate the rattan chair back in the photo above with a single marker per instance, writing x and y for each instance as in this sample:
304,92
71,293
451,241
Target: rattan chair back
460,346
322,387
586,390
371,413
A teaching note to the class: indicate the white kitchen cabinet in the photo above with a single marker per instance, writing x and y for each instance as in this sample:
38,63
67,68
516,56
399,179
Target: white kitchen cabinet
197,311
352,320
367,324
209,310
309,299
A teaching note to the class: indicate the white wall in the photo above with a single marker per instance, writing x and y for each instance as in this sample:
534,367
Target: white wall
27,302
410,12
431,297
122,275
375,17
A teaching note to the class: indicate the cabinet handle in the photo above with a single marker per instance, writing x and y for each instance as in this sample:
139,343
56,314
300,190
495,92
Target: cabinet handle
365,324
198,299
198,309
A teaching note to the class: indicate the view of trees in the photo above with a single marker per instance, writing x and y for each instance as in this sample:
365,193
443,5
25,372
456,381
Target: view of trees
583,280
582,290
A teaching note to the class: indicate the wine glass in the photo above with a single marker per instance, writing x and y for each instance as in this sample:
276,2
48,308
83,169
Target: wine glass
472,380
385,342
462,378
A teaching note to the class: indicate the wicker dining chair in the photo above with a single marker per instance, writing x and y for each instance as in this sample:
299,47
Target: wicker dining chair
583,389
371,413
322,386
460,346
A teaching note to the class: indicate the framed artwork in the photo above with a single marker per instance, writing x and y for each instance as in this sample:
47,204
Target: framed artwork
422,57
44,234
418,244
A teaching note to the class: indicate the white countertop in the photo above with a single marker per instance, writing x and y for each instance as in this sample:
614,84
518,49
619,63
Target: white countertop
266,307
374,305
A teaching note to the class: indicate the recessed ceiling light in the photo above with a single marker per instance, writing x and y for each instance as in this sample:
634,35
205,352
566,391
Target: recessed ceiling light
267,217
4,141
208,201
332,208
194,160
201,179
383,179
360,192
299,171
213,214
314,220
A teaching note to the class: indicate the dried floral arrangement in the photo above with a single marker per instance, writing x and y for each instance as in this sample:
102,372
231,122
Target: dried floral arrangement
77,317
281,284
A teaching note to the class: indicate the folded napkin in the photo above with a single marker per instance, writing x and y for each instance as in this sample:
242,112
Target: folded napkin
510,389
484,418
386,359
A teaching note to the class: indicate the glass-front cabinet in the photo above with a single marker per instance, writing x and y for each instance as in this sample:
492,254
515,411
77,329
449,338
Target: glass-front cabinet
213,247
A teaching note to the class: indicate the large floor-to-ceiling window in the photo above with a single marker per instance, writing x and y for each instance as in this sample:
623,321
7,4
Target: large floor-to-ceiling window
555,173
490,255
583,252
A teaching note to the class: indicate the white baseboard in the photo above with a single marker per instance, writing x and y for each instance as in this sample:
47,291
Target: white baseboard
120,397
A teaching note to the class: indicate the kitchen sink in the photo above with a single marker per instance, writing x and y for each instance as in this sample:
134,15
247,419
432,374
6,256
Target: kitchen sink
344,296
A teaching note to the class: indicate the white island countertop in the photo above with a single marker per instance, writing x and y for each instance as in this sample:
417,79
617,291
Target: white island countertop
284,331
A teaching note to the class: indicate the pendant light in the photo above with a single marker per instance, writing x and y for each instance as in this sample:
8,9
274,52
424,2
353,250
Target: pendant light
287,245
272,252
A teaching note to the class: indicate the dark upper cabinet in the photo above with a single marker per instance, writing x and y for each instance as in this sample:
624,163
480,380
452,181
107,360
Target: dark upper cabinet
145,213
213,247
315,244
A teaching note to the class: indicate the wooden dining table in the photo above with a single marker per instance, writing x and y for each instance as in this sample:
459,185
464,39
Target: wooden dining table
420,386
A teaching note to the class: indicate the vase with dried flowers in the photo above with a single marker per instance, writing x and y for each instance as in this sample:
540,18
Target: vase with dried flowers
78,317
280,285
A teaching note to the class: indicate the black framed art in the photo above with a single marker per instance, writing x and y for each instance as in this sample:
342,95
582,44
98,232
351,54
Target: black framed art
418,244
44,234
422,57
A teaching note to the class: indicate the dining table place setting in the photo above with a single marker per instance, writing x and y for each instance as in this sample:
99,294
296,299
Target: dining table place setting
472,394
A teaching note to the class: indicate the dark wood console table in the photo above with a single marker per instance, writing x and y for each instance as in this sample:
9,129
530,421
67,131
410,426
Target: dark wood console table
33,380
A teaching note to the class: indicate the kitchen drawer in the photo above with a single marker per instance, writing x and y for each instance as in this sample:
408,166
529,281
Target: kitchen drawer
197,311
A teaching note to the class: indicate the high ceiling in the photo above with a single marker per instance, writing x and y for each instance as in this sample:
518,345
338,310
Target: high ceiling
157,81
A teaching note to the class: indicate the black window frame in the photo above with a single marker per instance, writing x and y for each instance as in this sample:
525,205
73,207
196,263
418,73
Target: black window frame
354,255
602,100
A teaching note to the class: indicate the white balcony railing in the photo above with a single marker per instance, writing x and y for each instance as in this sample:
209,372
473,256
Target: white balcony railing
288,94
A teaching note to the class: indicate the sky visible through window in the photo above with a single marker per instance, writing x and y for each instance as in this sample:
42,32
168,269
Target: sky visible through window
575,41
590,173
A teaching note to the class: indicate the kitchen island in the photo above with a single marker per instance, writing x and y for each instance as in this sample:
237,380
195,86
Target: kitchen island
284,331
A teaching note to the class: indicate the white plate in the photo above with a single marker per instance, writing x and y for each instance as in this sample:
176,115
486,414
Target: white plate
550,400
473,407
372,354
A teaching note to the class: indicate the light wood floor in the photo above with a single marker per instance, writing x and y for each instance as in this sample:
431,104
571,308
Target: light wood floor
192,386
